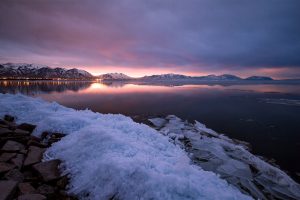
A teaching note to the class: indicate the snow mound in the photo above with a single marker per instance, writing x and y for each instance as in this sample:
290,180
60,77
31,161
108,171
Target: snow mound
228,158
112,157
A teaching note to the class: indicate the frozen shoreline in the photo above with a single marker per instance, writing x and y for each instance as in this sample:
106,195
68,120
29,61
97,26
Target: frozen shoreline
119,151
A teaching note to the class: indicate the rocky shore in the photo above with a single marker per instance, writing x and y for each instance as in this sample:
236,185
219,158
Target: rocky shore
23,174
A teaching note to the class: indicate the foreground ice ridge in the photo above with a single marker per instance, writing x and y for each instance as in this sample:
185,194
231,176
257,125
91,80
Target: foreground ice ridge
112,157
228,158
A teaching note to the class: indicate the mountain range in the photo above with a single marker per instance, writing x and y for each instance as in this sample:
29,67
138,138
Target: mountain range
33,71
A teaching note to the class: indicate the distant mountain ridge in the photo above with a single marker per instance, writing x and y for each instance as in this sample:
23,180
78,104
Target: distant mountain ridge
114,76
212,77
23,70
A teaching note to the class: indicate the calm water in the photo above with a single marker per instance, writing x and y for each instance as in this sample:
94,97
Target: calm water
266,116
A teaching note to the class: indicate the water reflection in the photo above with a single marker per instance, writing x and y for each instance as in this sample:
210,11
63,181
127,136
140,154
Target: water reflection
39,87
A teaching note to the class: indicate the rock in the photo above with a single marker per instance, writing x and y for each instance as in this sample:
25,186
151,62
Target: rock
35,155
32,197
5,131
48,170
9,118
63,182
26,188
14,175
21,132
18,160
12,146
30,176
46,190
8,189
26,127
35,143
4,157
4,167
23,151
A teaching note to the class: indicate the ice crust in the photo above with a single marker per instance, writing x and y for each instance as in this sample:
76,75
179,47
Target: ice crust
111,157
228,158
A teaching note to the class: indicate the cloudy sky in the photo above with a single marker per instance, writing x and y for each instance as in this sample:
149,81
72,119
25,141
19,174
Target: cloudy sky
141,37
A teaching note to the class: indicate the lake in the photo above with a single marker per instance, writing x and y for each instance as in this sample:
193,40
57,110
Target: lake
265,115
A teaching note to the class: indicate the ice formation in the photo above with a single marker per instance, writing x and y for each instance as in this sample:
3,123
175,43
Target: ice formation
228,158
112,157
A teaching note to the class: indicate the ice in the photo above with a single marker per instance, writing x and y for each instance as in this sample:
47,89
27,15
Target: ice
230,159
111,157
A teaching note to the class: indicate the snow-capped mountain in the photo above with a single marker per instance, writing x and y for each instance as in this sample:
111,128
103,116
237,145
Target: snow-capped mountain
114,76
22,70
222,77
259,78
212,77
166,77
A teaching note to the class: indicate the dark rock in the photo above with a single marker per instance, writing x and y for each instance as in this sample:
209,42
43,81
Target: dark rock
23,151
9,118
8,189
30,176
18,160
63,182
4,157
26,127
5,131
17,138
21,132
32,197
5,167
14,175
37,144
26,188
34,138
46,189
35,155
48,170
12,146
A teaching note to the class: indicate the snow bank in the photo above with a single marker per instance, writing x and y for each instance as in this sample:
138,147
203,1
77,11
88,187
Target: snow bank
110,156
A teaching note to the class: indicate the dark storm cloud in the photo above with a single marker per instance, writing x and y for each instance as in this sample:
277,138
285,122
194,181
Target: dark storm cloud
196,34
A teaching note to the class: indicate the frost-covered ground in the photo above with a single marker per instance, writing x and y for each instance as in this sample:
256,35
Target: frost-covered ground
112,157
228,158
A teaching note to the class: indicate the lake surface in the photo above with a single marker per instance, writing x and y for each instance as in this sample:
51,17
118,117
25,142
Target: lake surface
265,115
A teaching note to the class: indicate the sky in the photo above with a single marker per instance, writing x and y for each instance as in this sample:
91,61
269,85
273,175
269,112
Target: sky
140,37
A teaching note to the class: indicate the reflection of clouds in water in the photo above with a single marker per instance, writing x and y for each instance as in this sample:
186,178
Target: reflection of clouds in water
289,102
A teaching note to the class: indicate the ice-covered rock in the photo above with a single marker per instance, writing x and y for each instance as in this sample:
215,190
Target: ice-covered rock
228,158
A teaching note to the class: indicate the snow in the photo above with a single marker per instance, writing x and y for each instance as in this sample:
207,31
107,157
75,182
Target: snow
228,158
110,156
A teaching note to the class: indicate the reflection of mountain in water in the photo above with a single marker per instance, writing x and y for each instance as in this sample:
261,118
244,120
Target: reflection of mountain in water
38,87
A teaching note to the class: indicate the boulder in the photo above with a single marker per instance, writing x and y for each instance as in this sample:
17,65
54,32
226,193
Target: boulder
8,189
12,146
9,118
26,127
32,197
48,170
30,176
14,175
5,167
18,160
36,143
26,188
4,157
35,155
